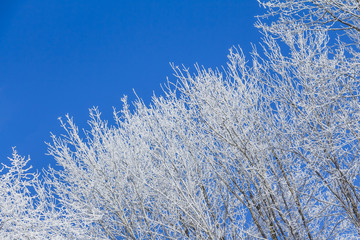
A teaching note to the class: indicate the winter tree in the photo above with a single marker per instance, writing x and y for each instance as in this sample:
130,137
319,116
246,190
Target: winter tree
26,209
262,149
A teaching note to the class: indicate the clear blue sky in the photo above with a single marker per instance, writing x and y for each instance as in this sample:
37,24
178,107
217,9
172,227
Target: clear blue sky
65,56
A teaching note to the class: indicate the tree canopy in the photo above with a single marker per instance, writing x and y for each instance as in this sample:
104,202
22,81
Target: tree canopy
266,148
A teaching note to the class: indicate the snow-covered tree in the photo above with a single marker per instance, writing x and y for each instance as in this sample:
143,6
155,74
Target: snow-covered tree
25,209
341,16
262,149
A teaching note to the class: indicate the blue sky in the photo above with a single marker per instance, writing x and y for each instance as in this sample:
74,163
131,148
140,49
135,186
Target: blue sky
65,56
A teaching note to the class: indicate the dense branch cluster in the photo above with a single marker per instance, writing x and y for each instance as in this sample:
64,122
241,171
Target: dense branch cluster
266,149
338,15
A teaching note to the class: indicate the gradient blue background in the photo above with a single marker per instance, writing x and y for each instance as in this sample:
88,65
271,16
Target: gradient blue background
65,56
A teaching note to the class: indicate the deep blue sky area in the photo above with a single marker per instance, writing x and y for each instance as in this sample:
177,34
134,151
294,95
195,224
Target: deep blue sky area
65,56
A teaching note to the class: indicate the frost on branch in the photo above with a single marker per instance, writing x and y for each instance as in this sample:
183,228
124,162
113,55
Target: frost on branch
268,150
24,213
262,149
